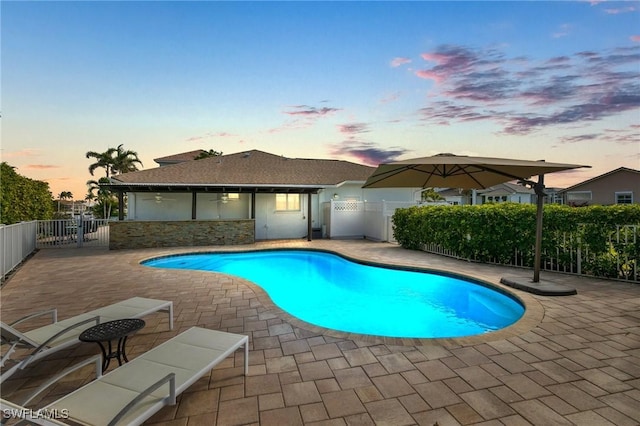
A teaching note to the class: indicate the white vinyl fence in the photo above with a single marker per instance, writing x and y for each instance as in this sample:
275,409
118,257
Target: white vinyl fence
17,242
361,219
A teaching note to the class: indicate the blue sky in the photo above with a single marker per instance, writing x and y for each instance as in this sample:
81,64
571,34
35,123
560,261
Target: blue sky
368,82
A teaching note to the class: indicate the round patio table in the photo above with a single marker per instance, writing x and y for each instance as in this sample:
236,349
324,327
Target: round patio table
106,332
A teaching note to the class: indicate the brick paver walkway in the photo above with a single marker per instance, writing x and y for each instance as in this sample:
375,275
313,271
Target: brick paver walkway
571,360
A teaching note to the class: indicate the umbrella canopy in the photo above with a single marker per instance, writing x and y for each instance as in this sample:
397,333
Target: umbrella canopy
458,171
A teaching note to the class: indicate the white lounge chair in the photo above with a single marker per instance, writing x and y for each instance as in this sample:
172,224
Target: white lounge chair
60,335
132,393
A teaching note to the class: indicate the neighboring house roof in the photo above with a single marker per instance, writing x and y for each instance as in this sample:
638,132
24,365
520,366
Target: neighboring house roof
454,192
244,171
179,158
449,192
506,189
588,181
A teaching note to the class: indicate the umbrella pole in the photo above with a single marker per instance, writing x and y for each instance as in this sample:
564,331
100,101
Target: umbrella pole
539,189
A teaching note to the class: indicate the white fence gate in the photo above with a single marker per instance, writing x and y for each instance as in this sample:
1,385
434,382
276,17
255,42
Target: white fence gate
72,233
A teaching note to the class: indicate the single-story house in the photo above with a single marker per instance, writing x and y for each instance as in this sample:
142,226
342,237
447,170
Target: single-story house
506,193
619,186
236,198
501,193
456,196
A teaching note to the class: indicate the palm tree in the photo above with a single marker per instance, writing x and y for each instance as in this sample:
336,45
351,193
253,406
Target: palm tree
103,160
102,195
125,161
114,161
64,195
431,194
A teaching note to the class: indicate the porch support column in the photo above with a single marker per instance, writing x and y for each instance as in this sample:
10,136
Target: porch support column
309,221
120,205
194,197
253,205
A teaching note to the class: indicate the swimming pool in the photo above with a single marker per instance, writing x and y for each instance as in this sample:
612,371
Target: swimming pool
330,291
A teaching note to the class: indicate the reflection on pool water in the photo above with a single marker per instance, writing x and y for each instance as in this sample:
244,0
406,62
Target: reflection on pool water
330,291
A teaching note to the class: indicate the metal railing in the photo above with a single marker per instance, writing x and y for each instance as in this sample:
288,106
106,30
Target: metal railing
618,259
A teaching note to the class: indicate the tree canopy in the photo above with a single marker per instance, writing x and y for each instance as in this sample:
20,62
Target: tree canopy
23,199
207,154
64,195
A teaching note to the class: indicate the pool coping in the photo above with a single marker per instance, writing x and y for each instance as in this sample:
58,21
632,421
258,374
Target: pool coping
532,316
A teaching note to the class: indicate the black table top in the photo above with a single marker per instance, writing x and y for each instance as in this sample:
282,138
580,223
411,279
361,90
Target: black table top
111,330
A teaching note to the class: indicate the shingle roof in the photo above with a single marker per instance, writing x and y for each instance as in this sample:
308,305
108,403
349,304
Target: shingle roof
179,158
506,188
249,168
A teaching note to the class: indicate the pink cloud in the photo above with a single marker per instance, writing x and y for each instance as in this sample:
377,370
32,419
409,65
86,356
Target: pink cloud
309,111
396,62
42,166
367,153
618,11
450,61
635,38
353,128
431,75
435,57
563,31
482,84
209,136
391,98
21,153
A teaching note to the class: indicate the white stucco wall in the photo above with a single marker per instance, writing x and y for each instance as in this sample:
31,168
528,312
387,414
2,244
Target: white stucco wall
392,194
272,224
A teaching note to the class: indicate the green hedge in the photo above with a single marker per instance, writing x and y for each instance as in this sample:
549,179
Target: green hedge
494,232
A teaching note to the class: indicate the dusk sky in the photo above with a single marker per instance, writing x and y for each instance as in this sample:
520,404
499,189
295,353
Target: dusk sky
368,82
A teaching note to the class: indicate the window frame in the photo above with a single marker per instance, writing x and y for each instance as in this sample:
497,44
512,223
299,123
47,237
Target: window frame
569,193
288,208
624,193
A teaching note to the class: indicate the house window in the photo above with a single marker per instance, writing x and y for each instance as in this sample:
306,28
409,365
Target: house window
288,202
624,197
578,196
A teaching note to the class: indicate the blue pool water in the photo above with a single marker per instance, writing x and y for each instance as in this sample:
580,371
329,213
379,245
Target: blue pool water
330,291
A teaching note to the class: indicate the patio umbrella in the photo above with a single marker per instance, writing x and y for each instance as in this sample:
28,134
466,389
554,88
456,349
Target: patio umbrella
458,171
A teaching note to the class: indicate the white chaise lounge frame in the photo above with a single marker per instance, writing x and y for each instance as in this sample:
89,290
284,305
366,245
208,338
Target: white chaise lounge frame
132,393
60,335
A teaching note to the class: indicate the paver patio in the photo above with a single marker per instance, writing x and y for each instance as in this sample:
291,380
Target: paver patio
570,360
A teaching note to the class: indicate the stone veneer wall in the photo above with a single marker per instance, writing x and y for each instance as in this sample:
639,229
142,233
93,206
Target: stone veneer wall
182,233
